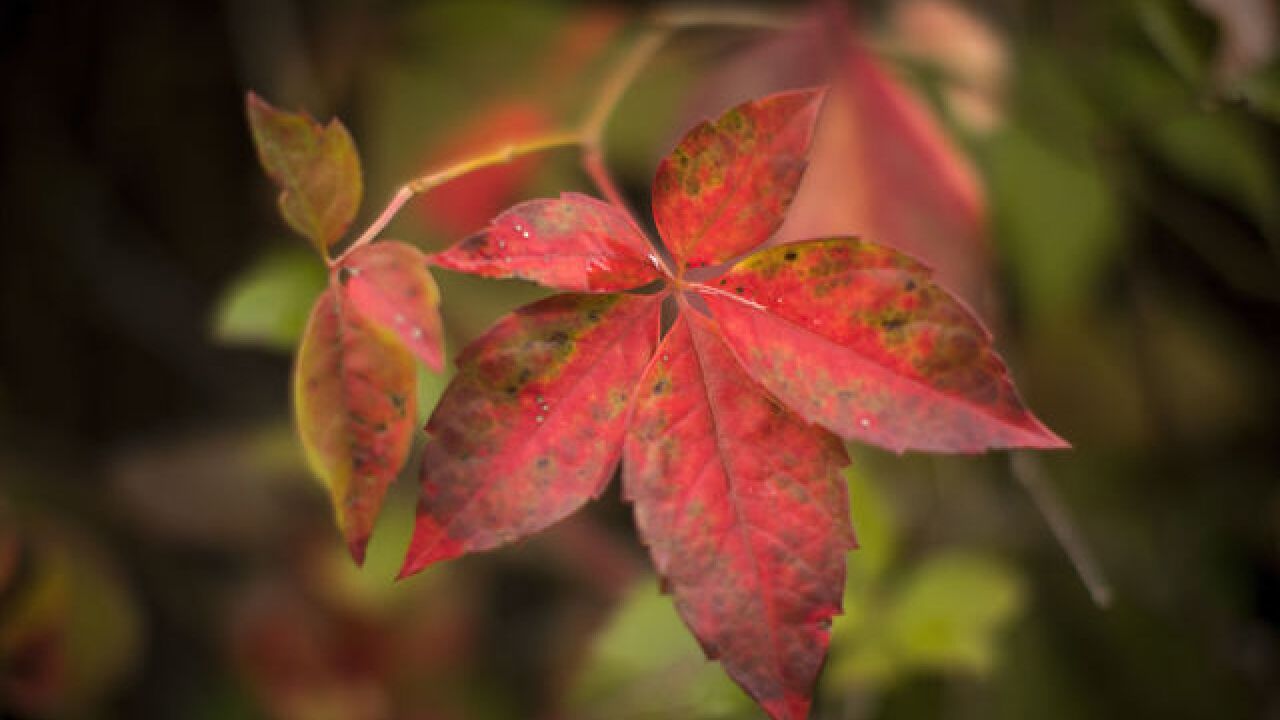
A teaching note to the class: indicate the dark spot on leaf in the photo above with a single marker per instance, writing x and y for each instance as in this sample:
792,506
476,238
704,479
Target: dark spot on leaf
738,289
525,374
543,463
558,337
593,315
790,256
344,275
511,390
910,286
893,323
723,281
398,402
660,386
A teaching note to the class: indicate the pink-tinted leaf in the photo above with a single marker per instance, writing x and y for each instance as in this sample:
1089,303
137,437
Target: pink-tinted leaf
316,167
744,510
390,285
726,187
574,242
883,170
355,403
531,427
858,338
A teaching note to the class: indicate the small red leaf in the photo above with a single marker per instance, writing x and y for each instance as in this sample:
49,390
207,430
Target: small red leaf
745,513
531,427
316,167
389,283
574,242
354,403
725,188
858,338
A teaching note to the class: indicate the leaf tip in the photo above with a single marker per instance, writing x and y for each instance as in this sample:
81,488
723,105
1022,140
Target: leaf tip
357,547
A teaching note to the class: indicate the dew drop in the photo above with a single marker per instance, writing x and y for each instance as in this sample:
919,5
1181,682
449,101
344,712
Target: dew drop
865,422
524,234
666,357
502,244
416,333
539,419
399,319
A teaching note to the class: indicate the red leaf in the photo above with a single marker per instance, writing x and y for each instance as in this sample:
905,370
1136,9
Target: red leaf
574,242
354,402
531,427
745,513
726,187
389,283
316,168
859,339
884,170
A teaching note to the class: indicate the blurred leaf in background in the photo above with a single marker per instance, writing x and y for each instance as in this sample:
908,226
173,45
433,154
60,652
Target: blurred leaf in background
267,305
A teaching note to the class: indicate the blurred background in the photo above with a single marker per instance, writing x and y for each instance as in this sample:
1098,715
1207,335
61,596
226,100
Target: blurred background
1109,202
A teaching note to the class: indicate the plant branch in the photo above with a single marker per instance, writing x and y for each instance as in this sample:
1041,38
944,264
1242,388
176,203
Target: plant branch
589,135
500,156
1029,471
619,81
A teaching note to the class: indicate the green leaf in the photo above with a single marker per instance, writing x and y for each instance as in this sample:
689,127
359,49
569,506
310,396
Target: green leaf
948,614
1225,156
646,664
316,167
267,305
1056,221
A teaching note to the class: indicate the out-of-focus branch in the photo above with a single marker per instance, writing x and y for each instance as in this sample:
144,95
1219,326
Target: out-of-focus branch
1029,471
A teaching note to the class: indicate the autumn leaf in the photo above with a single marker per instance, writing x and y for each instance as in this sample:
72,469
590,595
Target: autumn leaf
885,170
315,166
532,425
728,184
859,339
389,283
574,242
744,510
726,428
355,406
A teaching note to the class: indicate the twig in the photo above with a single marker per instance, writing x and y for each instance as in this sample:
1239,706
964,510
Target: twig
500,156
1029,471
589,136
618,81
